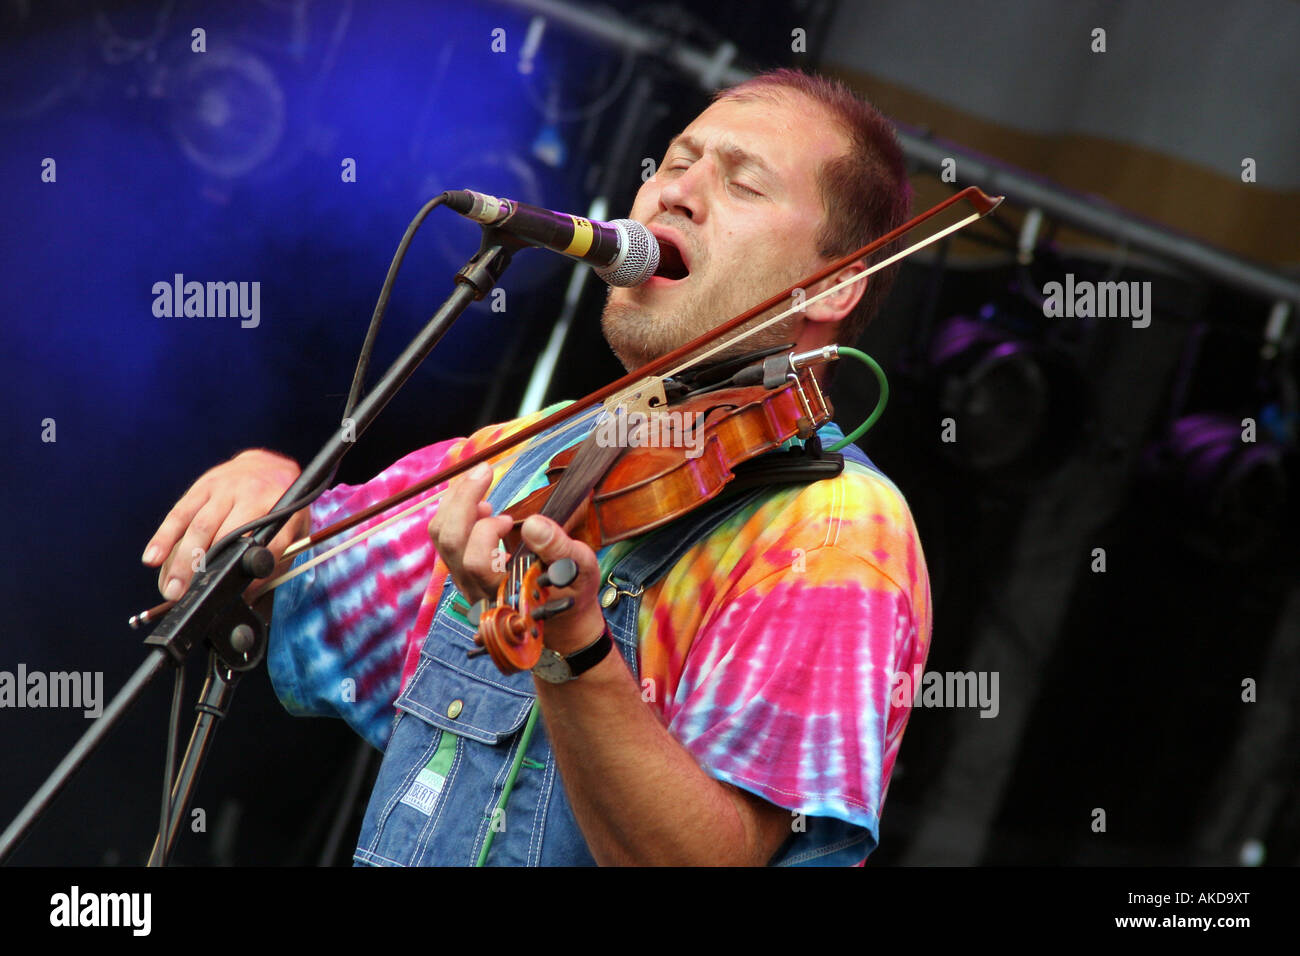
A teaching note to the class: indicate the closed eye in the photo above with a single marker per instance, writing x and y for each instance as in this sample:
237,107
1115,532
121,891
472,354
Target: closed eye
683,165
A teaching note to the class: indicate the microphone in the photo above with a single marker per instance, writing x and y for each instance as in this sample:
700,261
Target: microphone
624,251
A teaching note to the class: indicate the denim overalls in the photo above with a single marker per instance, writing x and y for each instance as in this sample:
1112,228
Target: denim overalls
459,722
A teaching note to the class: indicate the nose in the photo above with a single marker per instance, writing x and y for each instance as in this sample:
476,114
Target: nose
684,194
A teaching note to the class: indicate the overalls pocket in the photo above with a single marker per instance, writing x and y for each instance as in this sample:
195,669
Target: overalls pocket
457,737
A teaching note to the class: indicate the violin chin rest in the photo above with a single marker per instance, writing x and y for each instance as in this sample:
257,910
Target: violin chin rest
789,467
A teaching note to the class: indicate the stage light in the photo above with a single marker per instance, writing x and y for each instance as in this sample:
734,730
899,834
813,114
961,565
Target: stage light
1222,485
1016,405
228,110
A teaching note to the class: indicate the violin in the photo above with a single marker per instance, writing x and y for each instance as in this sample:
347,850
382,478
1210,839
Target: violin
604,491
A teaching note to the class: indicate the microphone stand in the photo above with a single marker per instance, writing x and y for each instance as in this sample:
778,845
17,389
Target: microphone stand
213,610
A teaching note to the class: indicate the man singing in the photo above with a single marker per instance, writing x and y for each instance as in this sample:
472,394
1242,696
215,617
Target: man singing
722,691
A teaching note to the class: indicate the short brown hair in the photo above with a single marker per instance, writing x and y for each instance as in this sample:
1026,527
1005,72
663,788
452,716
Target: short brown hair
865,191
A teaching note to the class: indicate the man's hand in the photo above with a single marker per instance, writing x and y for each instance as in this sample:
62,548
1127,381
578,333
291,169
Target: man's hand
466,535
225,497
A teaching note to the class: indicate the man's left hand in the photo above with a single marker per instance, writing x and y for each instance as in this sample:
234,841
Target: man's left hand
467,536
583,623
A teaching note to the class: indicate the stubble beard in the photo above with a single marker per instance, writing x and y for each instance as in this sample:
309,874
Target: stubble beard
639,333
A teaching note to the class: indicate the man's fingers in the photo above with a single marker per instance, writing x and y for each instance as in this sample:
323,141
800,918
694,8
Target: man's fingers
483,562
579,625
458,511
179,568
484,511
163,542
234,518
547,540
223,498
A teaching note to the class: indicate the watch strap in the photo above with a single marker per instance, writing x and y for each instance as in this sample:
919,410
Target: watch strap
584,660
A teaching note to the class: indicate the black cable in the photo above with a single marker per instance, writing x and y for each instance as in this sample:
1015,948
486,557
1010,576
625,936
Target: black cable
159,855
358,377
363,360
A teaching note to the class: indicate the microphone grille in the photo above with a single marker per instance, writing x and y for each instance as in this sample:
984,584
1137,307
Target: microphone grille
638,259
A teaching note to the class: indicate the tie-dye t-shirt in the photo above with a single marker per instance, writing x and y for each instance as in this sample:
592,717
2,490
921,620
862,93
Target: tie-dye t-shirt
770,650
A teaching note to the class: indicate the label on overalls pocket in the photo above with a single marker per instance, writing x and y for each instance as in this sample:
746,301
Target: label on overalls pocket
423,792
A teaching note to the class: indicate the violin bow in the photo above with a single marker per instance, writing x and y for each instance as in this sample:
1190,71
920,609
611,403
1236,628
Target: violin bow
668,364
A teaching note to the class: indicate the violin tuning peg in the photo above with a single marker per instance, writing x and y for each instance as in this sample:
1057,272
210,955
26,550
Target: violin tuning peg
560,574
476,612
552,608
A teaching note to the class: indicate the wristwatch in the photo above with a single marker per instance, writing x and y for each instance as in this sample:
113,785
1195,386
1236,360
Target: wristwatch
555,668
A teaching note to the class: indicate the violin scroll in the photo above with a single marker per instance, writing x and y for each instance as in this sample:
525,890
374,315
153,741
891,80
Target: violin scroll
511,629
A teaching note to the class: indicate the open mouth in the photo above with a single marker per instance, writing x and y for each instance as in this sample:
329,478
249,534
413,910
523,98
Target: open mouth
672,265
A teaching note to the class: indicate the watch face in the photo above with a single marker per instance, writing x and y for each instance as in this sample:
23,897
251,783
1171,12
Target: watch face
552,667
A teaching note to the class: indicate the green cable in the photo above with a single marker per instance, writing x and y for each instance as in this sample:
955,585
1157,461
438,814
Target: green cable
510,781
880,403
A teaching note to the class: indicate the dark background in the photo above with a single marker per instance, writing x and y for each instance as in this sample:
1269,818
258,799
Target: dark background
1120,690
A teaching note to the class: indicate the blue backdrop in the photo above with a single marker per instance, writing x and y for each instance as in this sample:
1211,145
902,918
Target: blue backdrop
129,156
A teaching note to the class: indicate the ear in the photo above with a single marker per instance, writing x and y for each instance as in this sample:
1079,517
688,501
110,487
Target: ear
836,306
